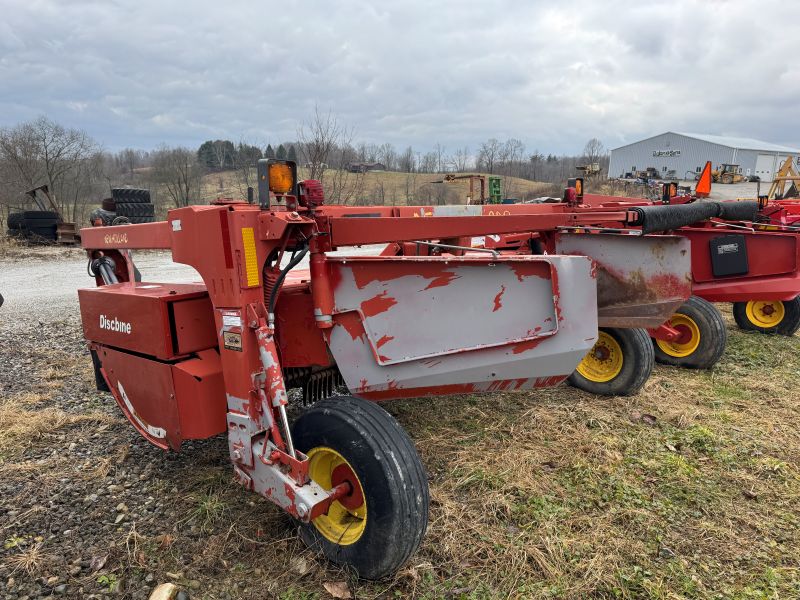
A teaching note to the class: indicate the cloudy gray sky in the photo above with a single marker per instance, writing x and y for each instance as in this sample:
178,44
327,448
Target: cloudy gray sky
553,74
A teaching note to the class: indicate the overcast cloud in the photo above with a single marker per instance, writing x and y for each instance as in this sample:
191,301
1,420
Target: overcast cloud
552,74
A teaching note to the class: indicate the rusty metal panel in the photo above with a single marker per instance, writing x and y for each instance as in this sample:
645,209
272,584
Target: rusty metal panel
417,326
641,281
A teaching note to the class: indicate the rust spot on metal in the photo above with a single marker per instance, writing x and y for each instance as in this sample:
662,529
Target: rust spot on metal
498,297
377,304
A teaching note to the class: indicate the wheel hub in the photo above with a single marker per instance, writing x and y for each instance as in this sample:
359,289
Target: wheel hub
346,519
604,361
765,313
688,339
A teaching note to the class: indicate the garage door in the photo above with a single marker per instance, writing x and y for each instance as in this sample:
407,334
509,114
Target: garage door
765,165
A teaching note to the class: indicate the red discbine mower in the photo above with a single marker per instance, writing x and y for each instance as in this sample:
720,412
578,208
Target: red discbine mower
192,361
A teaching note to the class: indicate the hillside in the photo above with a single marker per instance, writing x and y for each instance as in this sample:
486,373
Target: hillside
377,187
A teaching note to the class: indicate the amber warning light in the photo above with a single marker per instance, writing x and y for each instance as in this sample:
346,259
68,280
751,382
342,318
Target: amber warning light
276,176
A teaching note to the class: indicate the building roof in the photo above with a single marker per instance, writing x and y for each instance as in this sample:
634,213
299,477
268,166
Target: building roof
729,141
740,143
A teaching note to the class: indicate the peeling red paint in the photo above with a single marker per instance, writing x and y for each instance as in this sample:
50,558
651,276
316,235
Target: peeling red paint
497,302
442,280
385,339
551,381
351,323
523,269
521,347
377,304
397,393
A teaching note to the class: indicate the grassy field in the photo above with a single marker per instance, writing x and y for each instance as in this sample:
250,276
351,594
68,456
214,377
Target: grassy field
689,490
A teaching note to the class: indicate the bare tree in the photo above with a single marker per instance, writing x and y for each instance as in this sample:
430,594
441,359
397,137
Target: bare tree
593,150
318,138
41,152
489,154
461,159
406,161
179,173
441,160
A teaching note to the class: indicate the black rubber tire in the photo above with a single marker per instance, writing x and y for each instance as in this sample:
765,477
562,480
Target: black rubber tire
637,365
788,326
132,195
104,215
108,204
47,233
130,209
40,214
137,220
713,336
1,300
34,223
16,220
394,482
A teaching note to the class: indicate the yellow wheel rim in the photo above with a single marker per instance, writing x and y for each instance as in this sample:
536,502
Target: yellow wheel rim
765,313
346,520
688,341
604,361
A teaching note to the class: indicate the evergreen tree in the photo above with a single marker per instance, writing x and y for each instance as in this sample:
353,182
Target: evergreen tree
292,155
280,154
269,152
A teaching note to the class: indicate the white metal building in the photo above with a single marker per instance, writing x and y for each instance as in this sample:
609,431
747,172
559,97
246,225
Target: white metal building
682,155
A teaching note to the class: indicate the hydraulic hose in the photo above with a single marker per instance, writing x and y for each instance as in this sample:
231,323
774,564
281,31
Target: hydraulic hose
664,218
273,296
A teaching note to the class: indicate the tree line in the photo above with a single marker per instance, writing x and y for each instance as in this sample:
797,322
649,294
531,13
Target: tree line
79,172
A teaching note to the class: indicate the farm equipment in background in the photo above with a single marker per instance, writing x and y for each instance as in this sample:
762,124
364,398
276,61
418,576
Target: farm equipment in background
786,174
43,225
727,173
429,316
746,257
495,195
589,170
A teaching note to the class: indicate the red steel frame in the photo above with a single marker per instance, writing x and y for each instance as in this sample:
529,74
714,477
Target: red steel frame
260,447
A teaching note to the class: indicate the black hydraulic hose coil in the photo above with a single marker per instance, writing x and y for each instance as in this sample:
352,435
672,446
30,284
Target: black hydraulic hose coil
663,218
738,211
273,296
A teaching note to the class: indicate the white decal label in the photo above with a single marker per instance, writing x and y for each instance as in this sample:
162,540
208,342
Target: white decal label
156,432
114,325
176,225
231,321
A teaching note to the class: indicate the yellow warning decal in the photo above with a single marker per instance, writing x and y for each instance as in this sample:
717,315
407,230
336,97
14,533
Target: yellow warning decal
250,259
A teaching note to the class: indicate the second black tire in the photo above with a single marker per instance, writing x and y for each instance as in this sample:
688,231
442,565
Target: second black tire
619,363
131,209
387,510
783,317
132,195
703,336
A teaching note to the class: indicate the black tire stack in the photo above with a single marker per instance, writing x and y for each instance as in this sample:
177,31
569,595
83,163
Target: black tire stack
126,205
133,204
33,225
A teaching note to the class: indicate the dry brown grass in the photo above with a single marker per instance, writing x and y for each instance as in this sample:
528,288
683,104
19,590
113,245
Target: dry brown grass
689,490
24,421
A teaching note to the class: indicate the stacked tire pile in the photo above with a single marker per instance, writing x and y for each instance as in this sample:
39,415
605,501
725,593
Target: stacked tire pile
126,205
33,225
